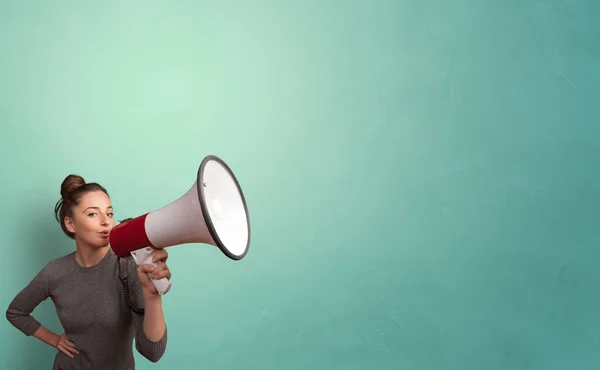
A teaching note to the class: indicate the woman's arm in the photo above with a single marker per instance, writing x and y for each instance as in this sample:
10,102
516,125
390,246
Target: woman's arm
60,342
154,319
46,336
151,330
20,308
151,333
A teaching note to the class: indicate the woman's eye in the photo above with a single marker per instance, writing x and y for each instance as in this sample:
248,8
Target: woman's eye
110,215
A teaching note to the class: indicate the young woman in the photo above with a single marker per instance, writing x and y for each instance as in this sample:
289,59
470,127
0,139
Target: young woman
100,324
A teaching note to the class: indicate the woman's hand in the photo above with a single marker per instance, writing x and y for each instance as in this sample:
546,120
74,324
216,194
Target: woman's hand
148,272
65,345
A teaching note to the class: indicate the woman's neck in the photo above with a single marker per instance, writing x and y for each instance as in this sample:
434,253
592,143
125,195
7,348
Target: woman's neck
88,257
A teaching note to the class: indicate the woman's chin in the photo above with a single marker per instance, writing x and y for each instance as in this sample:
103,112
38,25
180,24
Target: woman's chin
94,242
99,244
103,241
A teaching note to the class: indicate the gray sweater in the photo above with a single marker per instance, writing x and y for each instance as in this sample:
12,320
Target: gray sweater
92,310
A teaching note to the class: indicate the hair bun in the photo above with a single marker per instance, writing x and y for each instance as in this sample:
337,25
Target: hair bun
71,183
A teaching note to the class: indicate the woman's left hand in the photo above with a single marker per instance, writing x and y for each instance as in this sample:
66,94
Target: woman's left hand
160,257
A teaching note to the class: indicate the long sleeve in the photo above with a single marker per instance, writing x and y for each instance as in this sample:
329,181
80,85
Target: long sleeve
153,351
20,309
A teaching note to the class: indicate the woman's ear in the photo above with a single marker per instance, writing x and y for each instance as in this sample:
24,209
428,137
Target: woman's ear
70,224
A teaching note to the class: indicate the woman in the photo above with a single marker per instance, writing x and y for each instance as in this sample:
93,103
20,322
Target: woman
99,323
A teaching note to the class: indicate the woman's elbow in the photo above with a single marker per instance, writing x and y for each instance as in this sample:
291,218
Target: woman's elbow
152,356
153,352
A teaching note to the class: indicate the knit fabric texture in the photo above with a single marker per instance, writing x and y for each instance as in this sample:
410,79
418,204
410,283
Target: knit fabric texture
92,310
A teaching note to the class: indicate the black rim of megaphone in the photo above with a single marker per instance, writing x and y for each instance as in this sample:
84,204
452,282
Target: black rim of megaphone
205,213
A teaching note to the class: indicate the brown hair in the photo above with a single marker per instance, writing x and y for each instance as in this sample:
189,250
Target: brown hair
72,189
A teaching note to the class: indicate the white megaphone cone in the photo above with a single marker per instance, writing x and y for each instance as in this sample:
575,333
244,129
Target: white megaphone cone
213,211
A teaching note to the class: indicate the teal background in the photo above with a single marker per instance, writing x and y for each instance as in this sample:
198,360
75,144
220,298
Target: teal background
421,175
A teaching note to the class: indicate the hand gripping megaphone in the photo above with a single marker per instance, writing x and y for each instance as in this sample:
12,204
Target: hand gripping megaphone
213,211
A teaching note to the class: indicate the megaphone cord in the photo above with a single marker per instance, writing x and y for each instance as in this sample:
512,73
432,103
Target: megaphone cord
126,293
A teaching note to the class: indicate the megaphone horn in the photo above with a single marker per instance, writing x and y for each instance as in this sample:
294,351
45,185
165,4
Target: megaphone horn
213,211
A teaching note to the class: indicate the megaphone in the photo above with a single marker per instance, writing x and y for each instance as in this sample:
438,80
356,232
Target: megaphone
213,211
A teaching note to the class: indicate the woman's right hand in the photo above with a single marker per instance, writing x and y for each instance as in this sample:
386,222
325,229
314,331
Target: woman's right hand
65,345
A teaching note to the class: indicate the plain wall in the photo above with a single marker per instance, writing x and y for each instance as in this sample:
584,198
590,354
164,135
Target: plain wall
422,176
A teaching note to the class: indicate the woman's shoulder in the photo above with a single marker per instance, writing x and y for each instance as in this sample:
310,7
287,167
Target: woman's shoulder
61,263
55,268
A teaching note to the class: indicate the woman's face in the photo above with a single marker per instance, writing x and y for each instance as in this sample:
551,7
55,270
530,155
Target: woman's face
92,219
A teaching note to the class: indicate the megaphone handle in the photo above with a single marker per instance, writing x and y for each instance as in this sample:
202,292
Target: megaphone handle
162,285
143,256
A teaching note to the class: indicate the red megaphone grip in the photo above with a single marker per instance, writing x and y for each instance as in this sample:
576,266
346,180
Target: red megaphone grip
129,236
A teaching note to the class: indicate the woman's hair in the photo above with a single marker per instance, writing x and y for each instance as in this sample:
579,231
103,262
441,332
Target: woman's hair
72,189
